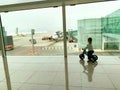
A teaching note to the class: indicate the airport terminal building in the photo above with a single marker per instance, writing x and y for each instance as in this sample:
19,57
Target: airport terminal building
104,31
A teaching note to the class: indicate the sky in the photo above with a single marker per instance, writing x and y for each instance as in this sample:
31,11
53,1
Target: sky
50,19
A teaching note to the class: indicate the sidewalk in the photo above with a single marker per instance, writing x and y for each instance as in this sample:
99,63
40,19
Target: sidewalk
53,51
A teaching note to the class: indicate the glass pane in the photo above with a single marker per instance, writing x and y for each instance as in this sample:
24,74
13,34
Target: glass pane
43,26
45,70
93,20
96,25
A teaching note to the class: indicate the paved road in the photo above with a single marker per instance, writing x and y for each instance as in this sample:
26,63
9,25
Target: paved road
23,47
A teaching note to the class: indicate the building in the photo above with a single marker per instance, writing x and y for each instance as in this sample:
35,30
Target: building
89,28
111,31
105,31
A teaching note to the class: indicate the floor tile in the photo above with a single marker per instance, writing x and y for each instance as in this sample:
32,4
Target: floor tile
44,78
2,75
115,78
14,86
97,81
21,76
108,60
87,88
34,87
48,73
112,68
64,88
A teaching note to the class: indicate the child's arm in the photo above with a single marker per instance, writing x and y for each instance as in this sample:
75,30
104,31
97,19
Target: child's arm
85,47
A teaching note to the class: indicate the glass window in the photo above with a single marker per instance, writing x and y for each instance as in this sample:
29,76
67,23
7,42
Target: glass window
33,32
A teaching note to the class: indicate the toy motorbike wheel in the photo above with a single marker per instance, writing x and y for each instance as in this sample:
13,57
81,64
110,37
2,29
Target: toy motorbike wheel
95,57
81,56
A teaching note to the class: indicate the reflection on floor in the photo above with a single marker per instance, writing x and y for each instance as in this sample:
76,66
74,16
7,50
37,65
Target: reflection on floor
47,73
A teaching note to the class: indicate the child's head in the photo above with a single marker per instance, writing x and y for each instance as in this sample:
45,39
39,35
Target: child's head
90,40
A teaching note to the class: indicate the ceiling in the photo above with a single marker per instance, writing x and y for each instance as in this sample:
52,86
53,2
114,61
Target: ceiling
16,5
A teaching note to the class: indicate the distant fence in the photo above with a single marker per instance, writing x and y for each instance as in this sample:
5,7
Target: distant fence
57,48
53,50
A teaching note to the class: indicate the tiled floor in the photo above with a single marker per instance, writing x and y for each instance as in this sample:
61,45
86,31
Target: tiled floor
47,73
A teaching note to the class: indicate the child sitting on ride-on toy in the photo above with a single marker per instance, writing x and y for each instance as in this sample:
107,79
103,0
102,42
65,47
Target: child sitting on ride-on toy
90,51
90,48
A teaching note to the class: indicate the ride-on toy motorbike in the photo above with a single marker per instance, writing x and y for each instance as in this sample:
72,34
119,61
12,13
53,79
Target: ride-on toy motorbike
93,57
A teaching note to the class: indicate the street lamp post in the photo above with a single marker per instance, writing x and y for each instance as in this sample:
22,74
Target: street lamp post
32,40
